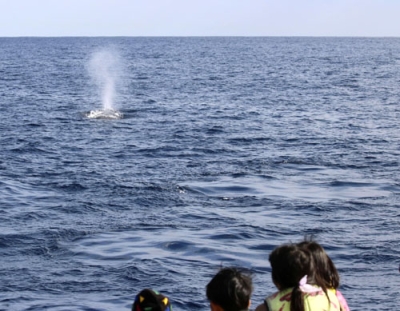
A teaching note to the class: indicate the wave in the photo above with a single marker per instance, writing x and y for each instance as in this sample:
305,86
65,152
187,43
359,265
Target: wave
104,114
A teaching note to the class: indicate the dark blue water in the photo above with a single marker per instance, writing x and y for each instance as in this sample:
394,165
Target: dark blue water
228,147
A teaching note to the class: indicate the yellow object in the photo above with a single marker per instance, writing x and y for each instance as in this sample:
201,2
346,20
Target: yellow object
280,301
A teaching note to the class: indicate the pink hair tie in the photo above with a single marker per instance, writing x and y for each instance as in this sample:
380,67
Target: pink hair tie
307,288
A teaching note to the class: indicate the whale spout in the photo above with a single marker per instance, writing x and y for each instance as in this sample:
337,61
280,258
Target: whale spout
104,114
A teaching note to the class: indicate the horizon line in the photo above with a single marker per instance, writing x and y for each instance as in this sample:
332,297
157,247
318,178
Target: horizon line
200,36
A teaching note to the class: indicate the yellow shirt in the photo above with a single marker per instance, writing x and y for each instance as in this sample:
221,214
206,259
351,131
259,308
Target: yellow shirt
280,301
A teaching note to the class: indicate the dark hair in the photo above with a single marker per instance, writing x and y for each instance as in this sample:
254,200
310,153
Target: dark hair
290,263
326,274
231,289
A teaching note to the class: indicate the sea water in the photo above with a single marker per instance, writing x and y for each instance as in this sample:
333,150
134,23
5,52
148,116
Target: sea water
225,148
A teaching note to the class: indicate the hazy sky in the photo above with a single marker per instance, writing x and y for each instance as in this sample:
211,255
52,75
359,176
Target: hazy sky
200,18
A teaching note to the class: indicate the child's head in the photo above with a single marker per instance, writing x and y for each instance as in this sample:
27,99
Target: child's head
326,274
289,264
151,300
229,290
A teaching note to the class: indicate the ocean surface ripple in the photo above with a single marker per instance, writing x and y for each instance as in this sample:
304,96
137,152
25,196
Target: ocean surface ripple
218,150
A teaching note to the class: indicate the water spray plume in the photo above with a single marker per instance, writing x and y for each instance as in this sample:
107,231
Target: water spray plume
104,68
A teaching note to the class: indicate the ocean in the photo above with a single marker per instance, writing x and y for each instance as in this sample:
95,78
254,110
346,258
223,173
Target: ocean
222,148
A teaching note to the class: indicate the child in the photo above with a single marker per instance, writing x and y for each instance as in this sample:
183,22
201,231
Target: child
151,300
326,270
293,273
230,290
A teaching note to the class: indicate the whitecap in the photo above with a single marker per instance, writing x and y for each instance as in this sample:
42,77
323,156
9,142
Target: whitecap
105,114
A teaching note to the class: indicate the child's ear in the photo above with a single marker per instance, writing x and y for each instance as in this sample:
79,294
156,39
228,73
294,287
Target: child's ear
249,304
215,307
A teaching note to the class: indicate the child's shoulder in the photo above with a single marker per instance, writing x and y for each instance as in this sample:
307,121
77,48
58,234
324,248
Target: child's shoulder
282,294
342,301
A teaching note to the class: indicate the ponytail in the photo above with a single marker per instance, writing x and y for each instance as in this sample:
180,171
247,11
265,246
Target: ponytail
297,299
